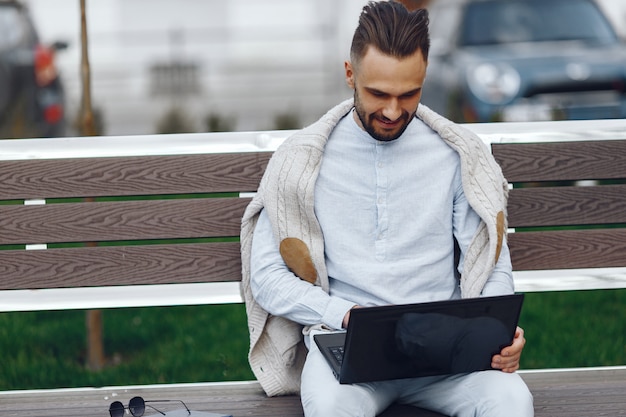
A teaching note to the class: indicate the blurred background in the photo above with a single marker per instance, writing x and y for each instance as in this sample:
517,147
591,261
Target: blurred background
237,64
193,66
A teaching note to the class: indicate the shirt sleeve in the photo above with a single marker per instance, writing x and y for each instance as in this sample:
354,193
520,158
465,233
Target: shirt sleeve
501,280
281,293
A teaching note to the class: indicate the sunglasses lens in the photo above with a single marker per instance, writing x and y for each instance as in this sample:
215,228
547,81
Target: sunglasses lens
116,409
137,406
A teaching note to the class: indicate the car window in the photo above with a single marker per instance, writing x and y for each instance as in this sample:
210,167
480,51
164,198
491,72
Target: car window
12,28
498,22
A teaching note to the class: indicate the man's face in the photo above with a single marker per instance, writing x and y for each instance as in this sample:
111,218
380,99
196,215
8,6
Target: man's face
387,91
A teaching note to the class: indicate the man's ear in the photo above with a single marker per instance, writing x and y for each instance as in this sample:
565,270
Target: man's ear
349,74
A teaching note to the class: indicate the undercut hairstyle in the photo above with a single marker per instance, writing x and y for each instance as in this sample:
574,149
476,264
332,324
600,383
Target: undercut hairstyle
392,29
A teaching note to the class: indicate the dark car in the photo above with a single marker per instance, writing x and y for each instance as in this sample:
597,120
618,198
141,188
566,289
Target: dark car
31,93
523,60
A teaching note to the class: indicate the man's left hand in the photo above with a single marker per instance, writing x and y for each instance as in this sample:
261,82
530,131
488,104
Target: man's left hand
508,359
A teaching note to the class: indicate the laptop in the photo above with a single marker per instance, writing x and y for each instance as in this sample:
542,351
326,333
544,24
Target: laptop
425,339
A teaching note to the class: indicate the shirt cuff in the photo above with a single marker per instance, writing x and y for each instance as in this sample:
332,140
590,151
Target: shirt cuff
336,311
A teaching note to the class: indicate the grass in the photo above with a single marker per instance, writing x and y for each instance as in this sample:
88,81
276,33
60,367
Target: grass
576,328
210,343
143,345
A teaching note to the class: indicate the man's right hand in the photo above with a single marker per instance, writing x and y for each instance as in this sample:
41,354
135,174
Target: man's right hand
346,318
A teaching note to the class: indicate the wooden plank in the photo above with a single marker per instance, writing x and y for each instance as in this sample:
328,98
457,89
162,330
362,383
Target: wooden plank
561,161
578,392
121,220
571,393
568,249
238,399
127,265
120,176
559,206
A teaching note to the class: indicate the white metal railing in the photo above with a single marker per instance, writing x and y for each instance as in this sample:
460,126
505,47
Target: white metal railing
198,143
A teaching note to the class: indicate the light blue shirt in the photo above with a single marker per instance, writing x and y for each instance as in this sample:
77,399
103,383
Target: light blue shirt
388,212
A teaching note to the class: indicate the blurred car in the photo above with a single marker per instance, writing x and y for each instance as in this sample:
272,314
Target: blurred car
31,93
523,60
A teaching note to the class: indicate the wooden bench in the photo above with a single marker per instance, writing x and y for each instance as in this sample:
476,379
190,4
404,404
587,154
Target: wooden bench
65,201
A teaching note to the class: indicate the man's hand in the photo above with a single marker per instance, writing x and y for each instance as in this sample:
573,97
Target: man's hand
508,359
346,318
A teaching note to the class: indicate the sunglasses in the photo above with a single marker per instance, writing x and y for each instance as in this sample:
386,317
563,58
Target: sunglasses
137,406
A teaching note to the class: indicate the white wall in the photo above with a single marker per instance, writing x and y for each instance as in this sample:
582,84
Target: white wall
257,59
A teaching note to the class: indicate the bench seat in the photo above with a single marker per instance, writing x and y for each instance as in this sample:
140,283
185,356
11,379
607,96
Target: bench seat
580,392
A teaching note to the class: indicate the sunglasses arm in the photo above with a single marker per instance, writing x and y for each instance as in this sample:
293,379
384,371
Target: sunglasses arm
158,411
167,401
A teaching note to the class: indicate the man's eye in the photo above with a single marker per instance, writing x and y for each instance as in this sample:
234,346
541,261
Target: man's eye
409,95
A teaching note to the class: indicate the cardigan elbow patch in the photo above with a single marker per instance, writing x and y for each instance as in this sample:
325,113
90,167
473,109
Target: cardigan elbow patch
297,257
500,222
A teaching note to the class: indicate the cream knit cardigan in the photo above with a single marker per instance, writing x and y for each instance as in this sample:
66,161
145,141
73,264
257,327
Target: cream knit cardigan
277,351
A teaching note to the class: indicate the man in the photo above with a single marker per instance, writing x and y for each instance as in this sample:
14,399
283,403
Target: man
363,208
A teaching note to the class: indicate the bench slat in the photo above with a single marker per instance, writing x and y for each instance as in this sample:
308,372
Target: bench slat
238,399
568,249
559,206
120,176
578,392
121,220
561,161
572,393
129,265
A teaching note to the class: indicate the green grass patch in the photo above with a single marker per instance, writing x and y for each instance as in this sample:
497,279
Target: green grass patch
574,328
210,343
142,345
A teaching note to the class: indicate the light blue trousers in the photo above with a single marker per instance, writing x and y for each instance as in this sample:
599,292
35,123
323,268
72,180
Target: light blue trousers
478,394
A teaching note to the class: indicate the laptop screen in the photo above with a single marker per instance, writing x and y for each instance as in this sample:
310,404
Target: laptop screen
403,341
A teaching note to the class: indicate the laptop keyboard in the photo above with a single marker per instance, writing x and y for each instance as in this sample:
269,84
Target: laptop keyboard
337,352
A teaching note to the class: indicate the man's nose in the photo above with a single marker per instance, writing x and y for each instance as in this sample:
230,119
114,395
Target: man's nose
392,110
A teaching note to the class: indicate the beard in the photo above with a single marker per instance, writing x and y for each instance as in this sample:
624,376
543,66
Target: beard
368,120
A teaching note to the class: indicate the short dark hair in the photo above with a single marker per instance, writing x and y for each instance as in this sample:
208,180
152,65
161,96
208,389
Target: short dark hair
392,29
